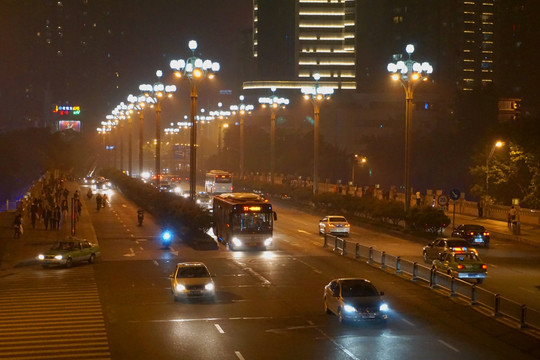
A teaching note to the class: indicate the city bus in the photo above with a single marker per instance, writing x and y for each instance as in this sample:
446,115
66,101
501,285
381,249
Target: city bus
243,221
218,182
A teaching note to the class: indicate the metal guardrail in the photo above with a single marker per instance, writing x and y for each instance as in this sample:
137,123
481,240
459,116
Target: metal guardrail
500,306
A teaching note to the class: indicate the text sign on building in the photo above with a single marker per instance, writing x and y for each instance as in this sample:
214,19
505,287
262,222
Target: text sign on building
67,110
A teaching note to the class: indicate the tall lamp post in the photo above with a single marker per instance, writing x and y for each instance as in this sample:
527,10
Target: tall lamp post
241,110
158,92
410,73
195,70
497,144
357,160
316,94
219,116
138,104
274,103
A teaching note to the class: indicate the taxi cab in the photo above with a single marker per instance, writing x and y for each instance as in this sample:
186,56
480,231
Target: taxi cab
464,264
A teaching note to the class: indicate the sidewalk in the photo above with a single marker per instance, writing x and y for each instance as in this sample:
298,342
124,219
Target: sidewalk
529,234
23,251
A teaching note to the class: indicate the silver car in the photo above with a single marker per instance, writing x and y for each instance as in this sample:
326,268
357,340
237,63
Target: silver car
335,225
434,249
191,279
353,299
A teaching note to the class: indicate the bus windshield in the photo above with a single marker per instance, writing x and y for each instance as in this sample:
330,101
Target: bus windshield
223,179
252,222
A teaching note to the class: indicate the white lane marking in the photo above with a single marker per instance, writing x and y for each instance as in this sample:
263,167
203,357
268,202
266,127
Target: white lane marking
155,263
448,345
219,329
131,252
253,272
309,266
408,322
339,346
526,290
124,205
141,248
239,355
303,231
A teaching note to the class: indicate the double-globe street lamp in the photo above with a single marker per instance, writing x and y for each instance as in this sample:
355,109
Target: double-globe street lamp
274,103
316,94
138,103
195,70
156,93
241,110
410,73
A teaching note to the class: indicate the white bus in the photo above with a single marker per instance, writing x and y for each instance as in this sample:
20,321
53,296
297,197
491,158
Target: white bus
218,182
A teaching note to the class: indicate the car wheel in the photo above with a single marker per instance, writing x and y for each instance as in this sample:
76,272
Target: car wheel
326,309
69,262
92,258
426,258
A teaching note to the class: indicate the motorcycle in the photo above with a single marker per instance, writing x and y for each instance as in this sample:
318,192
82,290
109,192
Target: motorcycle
166,239
140,217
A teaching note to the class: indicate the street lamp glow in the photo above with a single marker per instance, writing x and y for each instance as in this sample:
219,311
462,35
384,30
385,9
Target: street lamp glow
316,94
410,73
195,70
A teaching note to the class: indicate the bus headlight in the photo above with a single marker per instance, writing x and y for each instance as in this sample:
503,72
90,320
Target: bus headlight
268,242
236,241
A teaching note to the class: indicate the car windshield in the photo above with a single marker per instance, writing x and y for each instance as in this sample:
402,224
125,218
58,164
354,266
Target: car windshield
358,289
63,246
456,243
466,257
192,272
474,228
337,219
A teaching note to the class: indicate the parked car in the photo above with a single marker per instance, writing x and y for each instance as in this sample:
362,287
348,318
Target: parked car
465,264
474,234
354,299
440,245
191,279
69,251
335,225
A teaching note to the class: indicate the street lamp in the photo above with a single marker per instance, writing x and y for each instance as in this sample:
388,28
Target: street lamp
241,110
157,93
219,116
317,94
273,102
138,104
195,70
410,73
497,144
357,159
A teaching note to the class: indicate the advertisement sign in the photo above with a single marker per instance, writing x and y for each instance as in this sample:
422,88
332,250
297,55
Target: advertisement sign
69,125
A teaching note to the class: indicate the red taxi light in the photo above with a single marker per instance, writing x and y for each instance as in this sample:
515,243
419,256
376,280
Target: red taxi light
460,266
484,267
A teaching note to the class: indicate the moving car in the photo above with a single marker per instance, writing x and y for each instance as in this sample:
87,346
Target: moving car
335,225
440,245
69,251
204,200
463,264
191,279
354,299
474,234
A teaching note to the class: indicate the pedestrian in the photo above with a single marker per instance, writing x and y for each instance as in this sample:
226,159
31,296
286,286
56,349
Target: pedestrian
104,200
64,207
98,202
56,217
33,213
47,216
480,206
512,216
17,226
79,208
66,194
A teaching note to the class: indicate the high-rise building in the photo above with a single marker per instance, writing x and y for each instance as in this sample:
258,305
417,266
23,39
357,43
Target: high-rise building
304,37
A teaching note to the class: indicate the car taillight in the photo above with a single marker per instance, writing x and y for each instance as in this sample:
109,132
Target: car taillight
460,266
347,225
486,233
484,267
471,233
331,225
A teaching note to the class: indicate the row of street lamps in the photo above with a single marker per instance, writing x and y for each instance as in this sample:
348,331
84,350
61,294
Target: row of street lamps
195,70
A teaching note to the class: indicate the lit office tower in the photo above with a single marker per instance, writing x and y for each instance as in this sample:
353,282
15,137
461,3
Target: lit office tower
294,39
326,41
477,50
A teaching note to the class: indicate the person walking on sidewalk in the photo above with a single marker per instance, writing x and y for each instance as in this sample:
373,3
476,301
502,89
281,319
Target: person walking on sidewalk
17,226
47,213
98,202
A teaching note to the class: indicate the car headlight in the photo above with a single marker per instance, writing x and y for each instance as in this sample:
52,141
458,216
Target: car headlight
41,257
236,242
209,286
268,242
180,287
349,308
383,307
58,257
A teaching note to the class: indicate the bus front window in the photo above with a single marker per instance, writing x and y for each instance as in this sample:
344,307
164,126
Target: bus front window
252,222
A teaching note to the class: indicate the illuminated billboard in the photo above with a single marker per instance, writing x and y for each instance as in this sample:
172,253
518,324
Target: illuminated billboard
74,125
